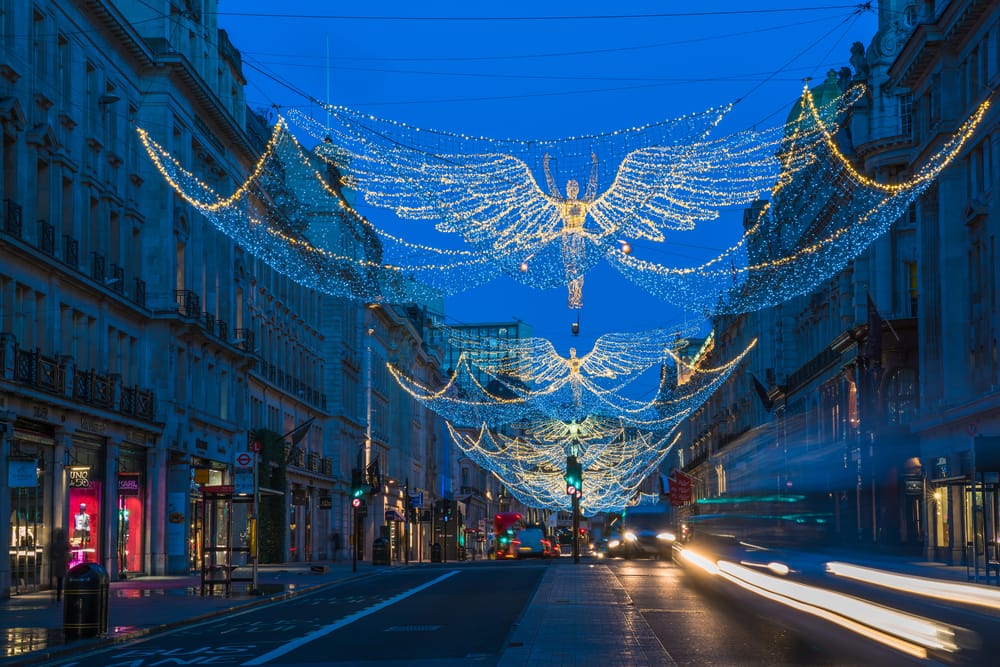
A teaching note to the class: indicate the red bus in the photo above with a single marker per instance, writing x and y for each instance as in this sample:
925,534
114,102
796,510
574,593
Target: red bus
505,528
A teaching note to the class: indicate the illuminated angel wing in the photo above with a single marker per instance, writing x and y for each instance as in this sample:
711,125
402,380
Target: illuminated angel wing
622,354
676,187
531,361
491,199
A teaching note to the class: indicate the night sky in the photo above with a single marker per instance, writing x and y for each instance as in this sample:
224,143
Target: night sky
548,70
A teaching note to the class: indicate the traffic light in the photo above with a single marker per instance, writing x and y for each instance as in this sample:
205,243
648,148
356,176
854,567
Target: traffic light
574,477
446,510
357,488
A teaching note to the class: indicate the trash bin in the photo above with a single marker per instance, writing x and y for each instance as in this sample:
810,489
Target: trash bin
380,552
436,552
85,601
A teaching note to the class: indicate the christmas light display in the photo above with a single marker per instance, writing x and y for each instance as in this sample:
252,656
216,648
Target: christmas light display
295,211
668,177
531,464
815,224
527,377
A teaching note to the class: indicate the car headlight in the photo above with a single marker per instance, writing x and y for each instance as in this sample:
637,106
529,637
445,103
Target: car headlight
613,543
630,536
668,537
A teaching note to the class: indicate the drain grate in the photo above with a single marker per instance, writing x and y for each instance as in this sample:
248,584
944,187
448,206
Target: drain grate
413,628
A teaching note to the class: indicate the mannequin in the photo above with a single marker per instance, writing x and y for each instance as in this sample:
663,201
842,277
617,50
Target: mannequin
81,526
122,541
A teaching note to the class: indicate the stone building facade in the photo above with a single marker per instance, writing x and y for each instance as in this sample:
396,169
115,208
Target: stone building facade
879,390
142,351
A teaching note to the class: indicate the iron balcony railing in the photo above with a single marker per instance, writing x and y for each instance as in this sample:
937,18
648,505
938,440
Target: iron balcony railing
46,238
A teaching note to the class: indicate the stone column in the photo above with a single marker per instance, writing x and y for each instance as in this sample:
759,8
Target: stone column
6,430
110,509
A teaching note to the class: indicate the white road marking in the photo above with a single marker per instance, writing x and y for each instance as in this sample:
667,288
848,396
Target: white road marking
347,620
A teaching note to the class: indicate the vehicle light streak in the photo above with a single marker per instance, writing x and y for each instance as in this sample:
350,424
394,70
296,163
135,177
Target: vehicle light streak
941,590
904,632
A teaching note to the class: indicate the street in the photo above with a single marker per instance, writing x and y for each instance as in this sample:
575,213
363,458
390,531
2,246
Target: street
523,612
460,613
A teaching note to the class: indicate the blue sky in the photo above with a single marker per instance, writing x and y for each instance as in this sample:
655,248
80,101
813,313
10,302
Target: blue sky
547,70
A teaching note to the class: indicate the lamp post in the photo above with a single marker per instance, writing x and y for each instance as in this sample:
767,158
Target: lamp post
367,452
406,521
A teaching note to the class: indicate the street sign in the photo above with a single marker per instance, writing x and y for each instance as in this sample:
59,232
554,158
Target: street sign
255,445
417,500
243,481
244,460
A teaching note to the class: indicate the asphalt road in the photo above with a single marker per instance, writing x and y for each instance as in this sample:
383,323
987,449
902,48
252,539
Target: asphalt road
443,615
453,614
698,627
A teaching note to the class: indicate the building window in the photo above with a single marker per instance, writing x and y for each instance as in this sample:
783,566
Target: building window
912,285
902,396
906,115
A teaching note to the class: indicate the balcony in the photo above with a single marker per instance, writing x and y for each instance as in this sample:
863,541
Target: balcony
97,266
138,403
46,238
33,368
71,252
49,374
312,461
116,279
94,388
12,218
244,339
295,456
188,303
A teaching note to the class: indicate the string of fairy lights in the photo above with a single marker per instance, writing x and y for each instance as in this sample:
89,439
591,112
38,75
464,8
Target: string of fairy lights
509,380
507,225
807,233
498,208
616,459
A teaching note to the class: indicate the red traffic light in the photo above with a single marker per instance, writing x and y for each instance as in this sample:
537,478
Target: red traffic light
570,490
356,503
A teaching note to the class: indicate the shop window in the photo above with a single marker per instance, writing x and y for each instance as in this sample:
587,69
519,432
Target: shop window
85,516
941,509
27,537
130,522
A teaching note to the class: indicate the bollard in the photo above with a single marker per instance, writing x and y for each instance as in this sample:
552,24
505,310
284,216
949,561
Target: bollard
85,601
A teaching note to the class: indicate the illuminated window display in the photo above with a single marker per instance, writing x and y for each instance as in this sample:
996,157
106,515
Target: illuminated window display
85,518
130,522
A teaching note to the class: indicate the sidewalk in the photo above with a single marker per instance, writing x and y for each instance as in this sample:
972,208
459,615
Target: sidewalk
32,623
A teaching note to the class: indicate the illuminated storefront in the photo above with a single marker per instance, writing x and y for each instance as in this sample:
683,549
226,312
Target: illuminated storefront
85,485
29,480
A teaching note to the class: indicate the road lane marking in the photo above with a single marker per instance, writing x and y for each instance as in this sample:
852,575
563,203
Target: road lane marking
347,620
